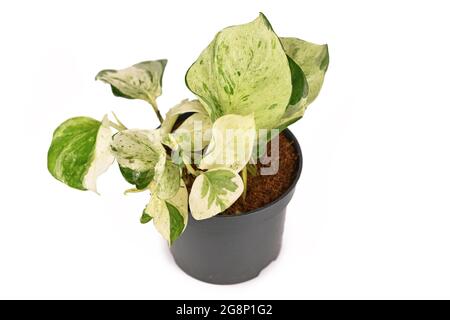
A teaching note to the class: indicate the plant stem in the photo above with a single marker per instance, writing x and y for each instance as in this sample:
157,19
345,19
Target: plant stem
115,126
118,121
155,108
133,190
244,178
191,170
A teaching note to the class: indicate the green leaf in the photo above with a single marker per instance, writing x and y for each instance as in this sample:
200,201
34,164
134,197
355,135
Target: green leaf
138,152
176,222
299,83
313,59
231,144
214,191
244,70
140,81
79,152
170,216
140,179
145,218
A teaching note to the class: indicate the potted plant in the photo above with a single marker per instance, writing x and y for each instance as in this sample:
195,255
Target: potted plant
221,169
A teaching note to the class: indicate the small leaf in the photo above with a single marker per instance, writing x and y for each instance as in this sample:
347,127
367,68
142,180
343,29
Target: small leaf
184,106
140,81
231,144
194,133
138,152
80,152
145,218
170,216
176,222
244,70
214,191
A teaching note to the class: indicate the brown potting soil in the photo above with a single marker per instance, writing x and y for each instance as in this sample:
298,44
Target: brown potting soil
263,189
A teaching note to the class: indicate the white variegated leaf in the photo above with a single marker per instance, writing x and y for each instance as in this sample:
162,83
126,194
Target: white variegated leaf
169,216
214,191
103,158
313,59
140,81
167,178
231,144
178,154
194,133
79,152
138,150
244,70
184,106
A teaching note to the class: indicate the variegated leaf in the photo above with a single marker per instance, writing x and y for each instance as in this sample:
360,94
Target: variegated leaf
214,191
313,59
138,152
169,216
244,70
194,133
80,152
167,178
184,106
140,81
231,144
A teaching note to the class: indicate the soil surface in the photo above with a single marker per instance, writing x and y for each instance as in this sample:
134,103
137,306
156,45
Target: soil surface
263,189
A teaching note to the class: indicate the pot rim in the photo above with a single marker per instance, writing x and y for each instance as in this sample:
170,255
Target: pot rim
294,140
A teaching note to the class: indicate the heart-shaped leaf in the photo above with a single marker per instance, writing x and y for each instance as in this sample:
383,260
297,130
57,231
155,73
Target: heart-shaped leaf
194,133
138,152
313,60
231,144
80,152
214,191
184,106
244,70
140,81
169,216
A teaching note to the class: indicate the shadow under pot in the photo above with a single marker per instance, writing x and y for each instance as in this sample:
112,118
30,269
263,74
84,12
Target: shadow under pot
228,249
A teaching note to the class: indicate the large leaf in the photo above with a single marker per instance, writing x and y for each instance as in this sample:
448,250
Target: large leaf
140,81
138,152
231,144
169,216
184,106
80,152
244,70
214,191
313,59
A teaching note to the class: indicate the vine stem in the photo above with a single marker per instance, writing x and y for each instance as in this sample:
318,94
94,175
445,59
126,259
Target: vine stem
116,126
155,108
191,170
244,178
118,121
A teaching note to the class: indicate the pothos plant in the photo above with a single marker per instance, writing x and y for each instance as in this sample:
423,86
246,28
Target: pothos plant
246,80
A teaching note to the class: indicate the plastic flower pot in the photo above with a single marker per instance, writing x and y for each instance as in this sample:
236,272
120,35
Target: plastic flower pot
229,249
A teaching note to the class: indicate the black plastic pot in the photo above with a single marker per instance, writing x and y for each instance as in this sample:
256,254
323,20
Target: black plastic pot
233,249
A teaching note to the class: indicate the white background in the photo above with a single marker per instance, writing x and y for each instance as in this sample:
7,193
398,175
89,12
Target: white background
370,217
